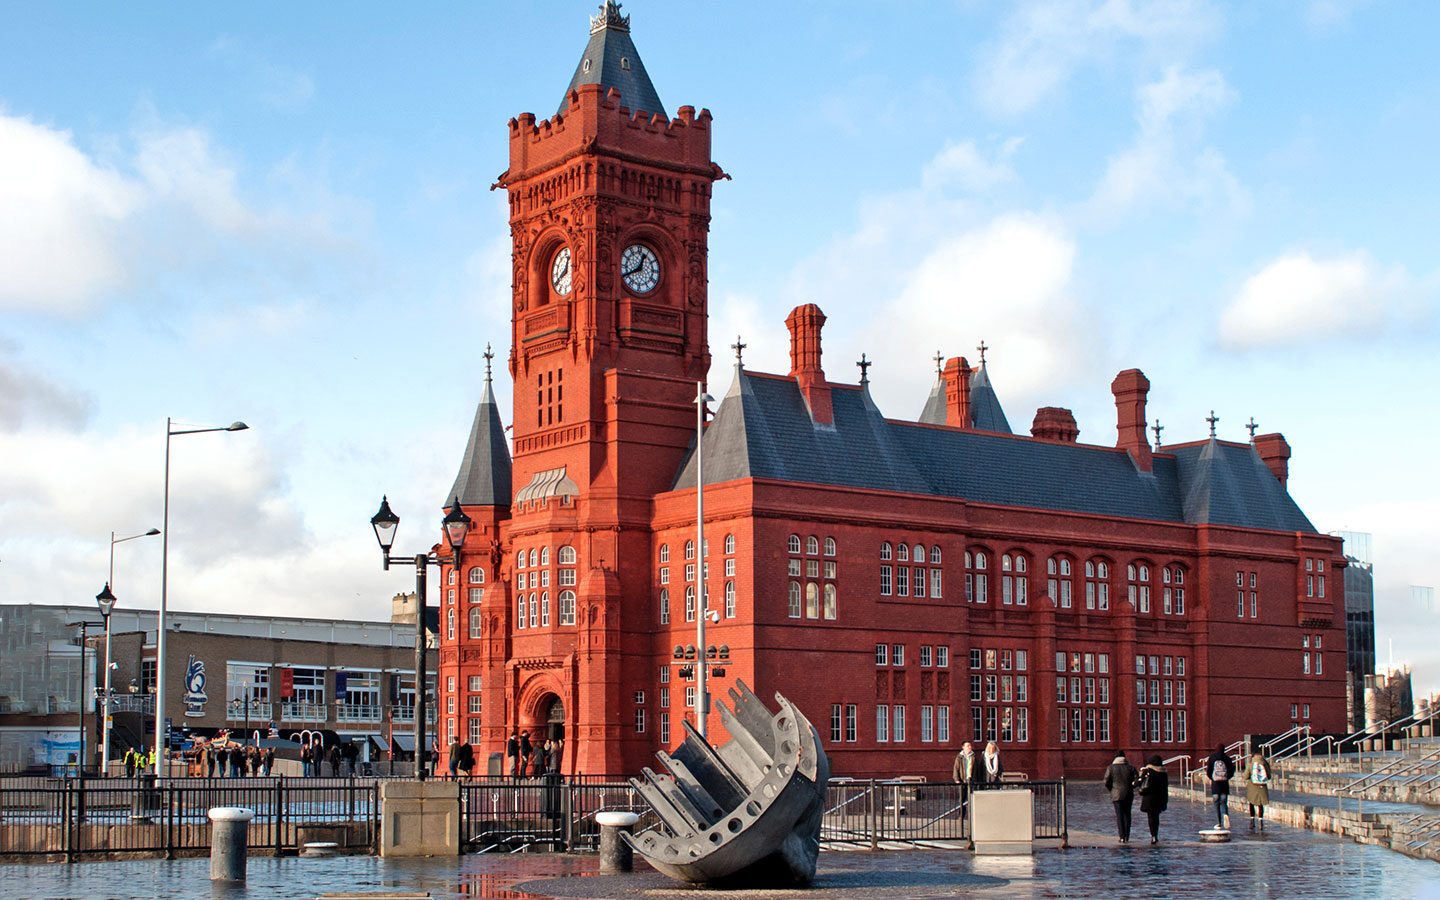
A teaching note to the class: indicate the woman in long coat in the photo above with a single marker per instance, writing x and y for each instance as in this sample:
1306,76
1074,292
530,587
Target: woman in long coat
1154,791
1257,787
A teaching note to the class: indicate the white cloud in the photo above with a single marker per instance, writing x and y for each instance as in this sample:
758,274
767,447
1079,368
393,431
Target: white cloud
60,220
963,164
1045,41
1163,166
1298,297
27,398
179,165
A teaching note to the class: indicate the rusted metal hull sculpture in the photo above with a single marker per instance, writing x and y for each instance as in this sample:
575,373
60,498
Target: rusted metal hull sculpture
746,811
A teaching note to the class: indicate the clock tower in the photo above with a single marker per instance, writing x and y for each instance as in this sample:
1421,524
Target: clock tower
609,215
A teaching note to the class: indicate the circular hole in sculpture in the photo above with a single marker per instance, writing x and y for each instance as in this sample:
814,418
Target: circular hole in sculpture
769,790
715,837
733,825
787,748
752,808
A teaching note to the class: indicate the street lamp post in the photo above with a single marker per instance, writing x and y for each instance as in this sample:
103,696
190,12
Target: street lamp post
170,431
456,526
80,757
105,611
702,697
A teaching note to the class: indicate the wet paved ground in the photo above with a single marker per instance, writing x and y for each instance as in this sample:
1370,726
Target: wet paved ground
1283,862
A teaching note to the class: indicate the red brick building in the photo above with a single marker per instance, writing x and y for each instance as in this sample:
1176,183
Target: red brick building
910,584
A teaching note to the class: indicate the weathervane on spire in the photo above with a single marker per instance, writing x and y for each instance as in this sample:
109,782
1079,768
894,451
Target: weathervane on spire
982,348
1157,428
488,356
1212,419
938,360
1250,427
739,347
609,18
864,365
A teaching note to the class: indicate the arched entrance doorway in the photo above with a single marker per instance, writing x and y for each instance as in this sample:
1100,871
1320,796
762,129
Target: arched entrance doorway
554,719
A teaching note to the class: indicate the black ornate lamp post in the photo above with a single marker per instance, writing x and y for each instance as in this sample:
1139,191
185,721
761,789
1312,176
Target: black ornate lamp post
456,525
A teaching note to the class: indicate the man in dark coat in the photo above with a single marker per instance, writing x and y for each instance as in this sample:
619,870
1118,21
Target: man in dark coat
334,758
512,753
352,755
237,762
1120,782
1219,768
1154,793
524,753
964,770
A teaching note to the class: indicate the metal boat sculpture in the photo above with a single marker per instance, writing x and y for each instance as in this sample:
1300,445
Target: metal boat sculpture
746,811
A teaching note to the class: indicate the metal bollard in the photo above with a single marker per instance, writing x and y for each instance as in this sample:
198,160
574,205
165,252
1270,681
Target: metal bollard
228,836
615,854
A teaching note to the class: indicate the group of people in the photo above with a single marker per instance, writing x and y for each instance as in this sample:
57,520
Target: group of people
314,756
236,761
532,759
971,771
138,760
1152,783
462,759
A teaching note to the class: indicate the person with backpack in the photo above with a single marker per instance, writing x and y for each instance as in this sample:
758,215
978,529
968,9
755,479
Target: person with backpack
467,760
1120,778
1257,787
1219,768
1154,788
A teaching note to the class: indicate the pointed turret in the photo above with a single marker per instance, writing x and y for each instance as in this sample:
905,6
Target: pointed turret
611,61
985,411
484,477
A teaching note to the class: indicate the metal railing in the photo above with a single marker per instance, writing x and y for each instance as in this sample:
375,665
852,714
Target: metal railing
868,813
510,814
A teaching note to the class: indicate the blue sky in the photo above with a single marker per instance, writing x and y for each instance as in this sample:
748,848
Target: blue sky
282,214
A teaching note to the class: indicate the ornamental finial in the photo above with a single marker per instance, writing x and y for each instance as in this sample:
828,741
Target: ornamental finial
1250,427
864,365
1212,419
488,356
739,348
982,348
609,18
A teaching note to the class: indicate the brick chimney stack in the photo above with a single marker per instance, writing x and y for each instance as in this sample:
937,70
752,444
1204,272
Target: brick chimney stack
1130,388
957,392
1054,423
1274,450
805,323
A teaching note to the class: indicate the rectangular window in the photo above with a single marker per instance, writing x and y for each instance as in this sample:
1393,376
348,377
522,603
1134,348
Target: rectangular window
1104,690
990,657
639,721
812,568
829,567
1007,659
1060,689
976,690
1064,727
1254,605
1007,725
474,702
1144,724
882,654
977,726
1022,724
1306,711
991,719
664,698
1154,692
689,696
664,729
1169,726
1305,657
942,724
1022,660
1089,662
1007,689
927,727
1180,726
1169,692
1104,726
935,583
897,654
902,581
975,658
1022,688
794,569
882,723
884,581
926,655
730,568
942,657
664,575
1059,660
837,723
919,582
1180,692
990,688
850,717
1240,604
1089,690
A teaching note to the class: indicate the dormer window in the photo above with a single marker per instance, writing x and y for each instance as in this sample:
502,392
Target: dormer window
625,63
585,66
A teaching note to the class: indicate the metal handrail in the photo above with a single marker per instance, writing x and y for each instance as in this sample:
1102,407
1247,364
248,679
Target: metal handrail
1269,746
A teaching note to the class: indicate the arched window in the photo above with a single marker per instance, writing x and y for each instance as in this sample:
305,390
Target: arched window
1174,593
544,556
812,600
1014,583
545,609
534,610
794,543
451,577
935,555
829,546
477,595
690,603
664,553
1062,584
729,599
903,552
918,554
566,555
885,550
520,560
1097,584
1139,587
977,576
450,624
794,600
664,606
689,549
477,575
830,601
475,623
729,544
567,607
534,557
812,545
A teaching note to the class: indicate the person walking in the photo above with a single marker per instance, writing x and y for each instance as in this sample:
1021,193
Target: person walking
1257,787
1154,791
211,758
269,762
467,760
963,771
1219,768
1120,779
352,756
992,769
130,762
537,760
305,755
334,758
552,758
512,753
453,758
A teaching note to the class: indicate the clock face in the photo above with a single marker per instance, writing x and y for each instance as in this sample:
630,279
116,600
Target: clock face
560,272
640,268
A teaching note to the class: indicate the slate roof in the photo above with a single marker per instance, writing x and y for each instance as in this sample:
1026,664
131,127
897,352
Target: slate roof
484,477
762,429
611,60
986,413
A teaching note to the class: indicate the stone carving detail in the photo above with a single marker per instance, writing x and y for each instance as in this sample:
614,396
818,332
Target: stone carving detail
747,811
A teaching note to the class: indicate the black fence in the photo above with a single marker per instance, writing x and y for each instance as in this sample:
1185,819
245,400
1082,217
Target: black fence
52,816
515,814
869,813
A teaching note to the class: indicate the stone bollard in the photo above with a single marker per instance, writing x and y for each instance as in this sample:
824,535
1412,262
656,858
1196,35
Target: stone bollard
228,834
615,854
145,799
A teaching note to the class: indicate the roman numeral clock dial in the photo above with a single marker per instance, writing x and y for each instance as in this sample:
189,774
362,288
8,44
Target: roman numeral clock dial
640,268
560,272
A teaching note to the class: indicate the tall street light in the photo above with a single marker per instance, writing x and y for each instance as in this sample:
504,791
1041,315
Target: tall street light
456,525
105,611
170,431
702,697
80,757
